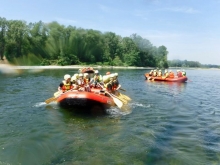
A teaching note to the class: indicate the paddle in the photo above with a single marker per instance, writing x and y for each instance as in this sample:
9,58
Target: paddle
56,94
125,96
118,102
122,89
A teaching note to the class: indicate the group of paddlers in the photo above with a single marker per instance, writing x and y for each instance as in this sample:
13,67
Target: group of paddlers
166,74
86,81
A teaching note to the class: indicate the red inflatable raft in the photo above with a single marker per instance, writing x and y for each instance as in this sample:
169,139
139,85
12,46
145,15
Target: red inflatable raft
83,99
175,79
87,70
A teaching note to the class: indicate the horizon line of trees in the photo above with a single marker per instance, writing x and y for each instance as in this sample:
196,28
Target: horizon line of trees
185,63
54,44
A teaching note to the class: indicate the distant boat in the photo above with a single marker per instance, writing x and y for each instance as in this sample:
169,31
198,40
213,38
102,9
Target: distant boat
87,70
175,79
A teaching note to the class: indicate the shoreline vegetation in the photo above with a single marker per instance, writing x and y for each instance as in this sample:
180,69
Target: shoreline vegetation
53,44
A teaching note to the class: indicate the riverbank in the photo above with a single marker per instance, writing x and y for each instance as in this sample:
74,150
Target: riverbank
8,68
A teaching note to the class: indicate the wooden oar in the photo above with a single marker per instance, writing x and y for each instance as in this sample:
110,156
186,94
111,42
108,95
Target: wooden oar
116,100
121,98
125,96
122,89
56,94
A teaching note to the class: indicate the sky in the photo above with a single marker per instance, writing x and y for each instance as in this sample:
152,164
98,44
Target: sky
189,29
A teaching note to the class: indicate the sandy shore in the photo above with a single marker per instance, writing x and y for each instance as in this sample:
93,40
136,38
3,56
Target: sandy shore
7,68
12,69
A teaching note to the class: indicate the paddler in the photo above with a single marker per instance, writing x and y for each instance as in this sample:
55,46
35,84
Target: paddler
96,79
66,84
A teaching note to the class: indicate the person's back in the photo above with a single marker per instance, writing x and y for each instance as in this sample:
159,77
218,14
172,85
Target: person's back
179,74
183,72
159,73
109,84
171,74
155,73
116,84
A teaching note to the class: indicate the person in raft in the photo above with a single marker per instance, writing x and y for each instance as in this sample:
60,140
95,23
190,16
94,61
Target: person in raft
96,79
116,85
166,74
179,74
108,73
171,74
86,80
183,72
155,73
159,73
81,82
74,82
66,84
109,83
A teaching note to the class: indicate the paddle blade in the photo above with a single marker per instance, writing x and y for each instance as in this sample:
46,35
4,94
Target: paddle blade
50,100
125,97
117,102
58,93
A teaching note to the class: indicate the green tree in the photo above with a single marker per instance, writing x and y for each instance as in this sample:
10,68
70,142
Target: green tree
17,42
3,28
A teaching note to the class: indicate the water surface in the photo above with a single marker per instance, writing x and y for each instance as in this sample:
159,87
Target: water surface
165,123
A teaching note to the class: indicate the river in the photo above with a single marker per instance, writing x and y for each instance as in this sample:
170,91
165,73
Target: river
164,124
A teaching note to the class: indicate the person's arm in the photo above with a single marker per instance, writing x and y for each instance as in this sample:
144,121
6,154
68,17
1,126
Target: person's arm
60,86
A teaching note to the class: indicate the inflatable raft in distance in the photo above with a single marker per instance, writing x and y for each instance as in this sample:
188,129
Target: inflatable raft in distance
175,79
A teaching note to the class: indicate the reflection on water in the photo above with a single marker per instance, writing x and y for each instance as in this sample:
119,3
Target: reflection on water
165,123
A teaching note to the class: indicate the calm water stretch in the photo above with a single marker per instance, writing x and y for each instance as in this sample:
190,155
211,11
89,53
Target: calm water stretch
164,124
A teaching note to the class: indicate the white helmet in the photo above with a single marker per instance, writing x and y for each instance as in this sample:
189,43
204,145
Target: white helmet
73,78
96,71
112,75
76,75
116,74
80,75
67,76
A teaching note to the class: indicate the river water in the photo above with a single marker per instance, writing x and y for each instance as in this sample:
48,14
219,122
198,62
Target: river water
164,124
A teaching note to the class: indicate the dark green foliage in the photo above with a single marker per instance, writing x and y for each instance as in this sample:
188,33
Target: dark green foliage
56,44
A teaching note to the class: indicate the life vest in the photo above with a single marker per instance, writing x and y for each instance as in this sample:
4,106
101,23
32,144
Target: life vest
115,84
98,78
109,86
159,74
171,75
179,74
81,82
166,74
154,73
66,86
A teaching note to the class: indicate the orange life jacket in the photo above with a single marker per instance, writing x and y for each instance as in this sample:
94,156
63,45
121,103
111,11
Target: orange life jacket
66,86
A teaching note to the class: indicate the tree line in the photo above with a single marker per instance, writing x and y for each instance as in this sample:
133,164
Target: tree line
56,44
191,64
